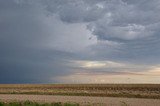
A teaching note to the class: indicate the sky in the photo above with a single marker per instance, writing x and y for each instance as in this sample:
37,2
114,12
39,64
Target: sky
79,41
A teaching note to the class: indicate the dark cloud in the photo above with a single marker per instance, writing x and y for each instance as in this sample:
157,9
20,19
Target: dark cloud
24,56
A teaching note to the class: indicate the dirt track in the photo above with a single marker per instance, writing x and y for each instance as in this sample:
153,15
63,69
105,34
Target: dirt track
106,101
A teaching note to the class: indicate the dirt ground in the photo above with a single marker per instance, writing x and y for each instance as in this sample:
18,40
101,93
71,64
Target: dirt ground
83,100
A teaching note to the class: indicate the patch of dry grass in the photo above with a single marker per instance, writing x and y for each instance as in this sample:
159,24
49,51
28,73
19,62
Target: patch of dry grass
29,103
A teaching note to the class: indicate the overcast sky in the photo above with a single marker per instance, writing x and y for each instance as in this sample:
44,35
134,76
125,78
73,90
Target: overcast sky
79,41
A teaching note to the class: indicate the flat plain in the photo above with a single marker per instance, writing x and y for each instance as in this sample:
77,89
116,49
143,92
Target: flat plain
80,100
99,90
82,94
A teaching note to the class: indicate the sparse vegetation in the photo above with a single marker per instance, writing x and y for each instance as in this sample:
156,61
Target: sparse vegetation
112,90
29,103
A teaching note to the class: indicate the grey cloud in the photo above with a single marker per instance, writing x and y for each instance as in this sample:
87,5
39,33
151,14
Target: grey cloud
125,22
75,11
133,26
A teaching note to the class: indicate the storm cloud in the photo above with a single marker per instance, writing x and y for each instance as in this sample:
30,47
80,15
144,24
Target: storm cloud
47,41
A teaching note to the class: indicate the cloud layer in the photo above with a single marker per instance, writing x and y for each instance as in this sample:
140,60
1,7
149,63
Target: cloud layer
42,41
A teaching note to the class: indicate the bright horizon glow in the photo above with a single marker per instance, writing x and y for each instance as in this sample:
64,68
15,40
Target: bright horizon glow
93,64
85,74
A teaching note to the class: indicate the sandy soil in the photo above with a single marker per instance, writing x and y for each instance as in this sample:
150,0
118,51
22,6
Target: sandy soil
97,101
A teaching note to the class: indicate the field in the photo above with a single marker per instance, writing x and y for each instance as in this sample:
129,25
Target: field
101,90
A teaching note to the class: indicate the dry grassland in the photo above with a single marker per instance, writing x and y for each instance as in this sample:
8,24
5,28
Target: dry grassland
102,90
